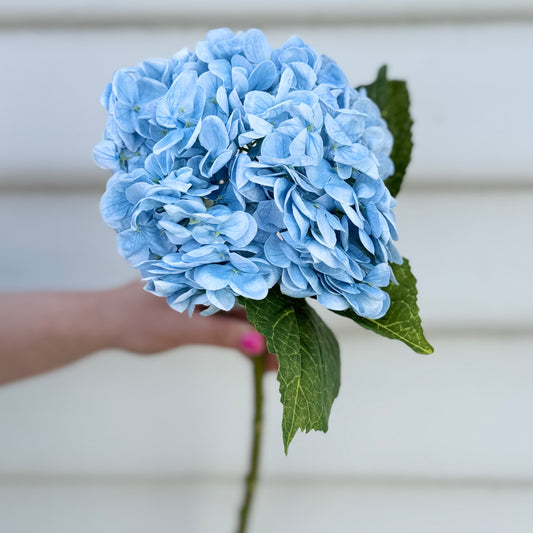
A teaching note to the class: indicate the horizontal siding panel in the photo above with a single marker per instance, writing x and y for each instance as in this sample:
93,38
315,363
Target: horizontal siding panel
469,251
468,125
80,10
460,414
197,507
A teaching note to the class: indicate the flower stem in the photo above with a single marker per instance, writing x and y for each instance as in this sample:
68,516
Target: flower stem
251,478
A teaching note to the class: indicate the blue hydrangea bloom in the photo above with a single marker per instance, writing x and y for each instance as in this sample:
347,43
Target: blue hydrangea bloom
239,166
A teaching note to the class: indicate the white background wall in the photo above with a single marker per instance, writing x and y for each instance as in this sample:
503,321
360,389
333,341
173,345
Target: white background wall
429,444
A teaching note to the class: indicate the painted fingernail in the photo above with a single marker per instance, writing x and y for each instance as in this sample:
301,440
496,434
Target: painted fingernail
253,343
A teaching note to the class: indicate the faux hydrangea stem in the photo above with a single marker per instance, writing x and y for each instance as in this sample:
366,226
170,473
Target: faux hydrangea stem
251,478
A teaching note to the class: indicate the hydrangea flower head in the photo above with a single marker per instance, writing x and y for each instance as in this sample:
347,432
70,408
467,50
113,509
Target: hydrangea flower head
239,166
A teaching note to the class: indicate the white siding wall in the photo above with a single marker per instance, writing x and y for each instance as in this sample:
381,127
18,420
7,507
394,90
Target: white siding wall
416,444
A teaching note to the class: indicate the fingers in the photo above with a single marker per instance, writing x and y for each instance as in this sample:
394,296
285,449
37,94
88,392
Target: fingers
229,331
271,362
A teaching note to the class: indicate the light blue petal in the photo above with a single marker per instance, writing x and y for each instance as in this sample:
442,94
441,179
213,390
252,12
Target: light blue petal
249,286
366,240
320,174
213,135
125,86
335,302
335,131
306,148
292,54
132,245
339,190
222,69
274,252
297,277
168,141
256,47
368,166
239,80
242,264
223,299
276,146
329,72
322,253
259,125
222,99
205,255
239,229
105,155
286,83
305,77
328,235
257,102
268,216
150,89
379,276
212,277
370,302
263,76
352,154
302,221
222,159
176,233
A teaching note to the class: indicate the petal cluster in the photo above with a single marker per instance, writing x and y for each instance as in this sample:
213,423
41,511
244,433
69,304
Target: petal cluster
239,166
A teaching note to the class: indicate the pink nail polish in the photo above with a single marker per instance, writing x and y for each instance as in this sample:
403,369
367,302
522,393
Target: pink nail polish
253,343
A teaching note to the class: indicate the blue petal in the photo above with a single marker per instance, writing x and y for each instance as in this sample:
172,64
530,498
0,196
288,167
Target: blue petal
329,236
150,89
274,252
256,47
286,83
106,156
223,299
132,245
249,286
222,69
176,233
307,148
335,131
379,276
292,54
212,277
260,125
276,146
339,190
213,135
168,141
335,302
370,302
304,75
125,86
366,240
239,229
257,102
242,264
329,72
263,76
222,99
297,277
268,216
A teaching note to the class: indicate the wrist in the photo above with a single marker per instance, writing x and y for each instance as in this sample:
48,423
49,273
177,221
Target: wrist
101,323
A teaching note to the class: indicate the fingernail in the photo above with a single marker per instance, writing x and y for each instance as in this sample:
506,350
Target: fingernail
253,343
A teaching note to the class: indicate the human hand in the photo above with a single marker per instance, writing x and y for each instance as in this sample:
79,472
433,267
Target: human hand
144,323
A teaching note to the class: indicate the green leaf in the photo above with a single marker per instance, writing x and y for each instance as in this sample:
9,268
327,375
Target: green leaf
392,98
309,362
402,321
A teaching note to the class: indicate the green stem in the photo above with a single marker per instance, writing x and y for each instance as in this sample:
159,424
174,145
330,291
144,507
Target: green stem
251,478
